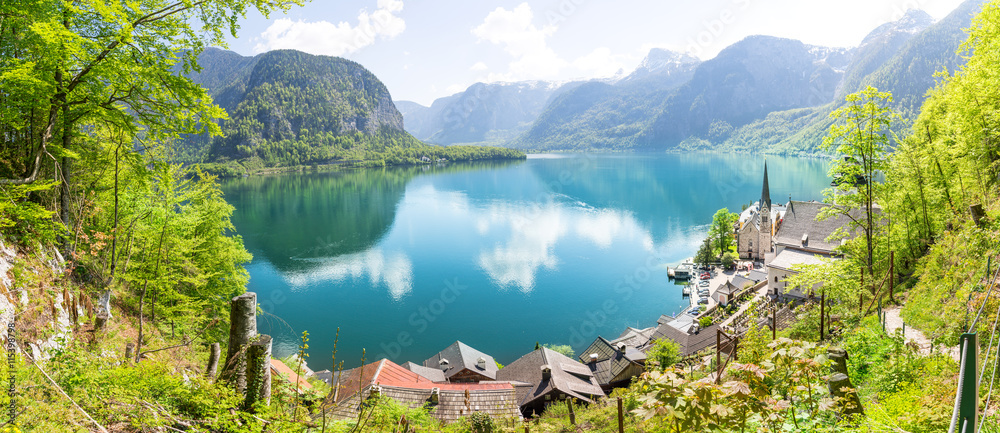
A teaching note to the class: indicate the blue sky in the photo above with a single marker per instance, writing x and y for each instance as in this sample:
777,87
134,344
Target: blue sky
426,49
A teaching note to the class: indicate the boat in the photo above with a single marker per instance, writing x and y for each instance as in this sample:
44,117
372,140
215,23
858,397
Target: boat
686,291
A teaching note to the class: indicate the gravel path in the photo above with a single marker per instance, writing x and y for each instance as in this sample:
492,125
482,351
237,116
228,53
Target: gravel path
894,322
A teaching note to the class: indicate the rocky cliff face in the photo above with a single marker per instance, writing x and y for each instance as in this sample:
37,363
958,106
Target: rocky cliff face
288,95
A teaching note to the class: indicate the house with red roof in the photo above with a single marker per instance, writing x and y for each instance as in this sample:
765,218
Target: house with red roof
448,401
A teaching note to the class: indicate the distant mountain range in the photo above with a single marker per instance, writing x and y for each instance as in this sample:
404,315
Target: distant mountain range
760,94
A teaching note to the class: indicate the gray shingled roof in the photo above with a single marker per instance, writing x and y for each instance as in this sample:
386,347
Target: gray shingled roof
757,275
568,376
689,343
634,337
740,281
432,374
462,357
800,219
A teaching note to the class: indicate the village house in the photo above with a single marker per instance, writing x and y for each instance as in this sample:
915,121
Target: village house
461,363
553,377
802,240
448,401
687,334
280,371
614,363
757,225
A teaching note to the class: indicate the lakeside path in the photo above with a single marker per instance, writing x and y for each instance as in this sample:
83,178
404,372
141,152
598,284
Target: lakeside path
894,322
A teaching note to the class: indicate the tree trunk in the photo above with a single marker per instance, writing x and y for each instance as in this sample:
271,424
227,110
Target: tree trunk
845,394
258,373
213,360
242,328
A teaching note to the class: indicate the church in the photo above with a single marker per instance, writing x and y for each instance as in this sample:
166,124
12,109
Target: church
758,224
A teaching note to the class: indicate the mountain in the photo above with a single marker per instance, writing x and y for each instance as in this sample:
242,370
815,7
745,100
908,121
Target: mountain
663,65
745,82
290,108
483,113
880,45
908,73
599,114
762,93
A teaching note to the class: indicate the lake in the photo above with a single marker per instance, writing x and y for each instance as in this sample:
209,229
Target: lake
500,255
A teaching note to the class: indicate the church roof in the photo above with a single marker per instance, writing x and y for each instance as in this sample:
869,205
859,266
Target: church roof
765,192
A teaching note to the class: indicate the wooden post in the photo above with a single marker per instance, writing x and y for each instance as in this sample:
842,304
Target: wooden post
242,328
129,348
822,313
258,373
892,273
774,322
718,356
572,415
213,360
621,417
861,302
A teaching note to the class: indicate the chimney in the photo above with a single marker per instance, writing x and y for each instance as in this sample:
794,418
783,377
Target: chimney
375,391
481,363
593,358
805,239
621,348
443,363
435,395
546,372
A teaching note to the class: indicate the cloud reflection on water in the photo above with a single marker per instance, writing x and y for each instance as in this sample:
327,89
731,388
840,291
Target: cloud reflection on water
535,232
394,270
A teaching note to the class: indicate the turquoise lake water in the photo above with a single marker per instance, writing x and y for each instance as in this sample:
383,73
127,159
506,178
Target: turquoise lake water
555,249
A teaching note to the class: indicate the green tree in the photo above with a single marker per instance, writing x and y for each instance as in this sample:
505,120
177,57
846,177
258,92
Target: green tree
564,349
108,64
665,352
723,229
705,255
861,137
729,259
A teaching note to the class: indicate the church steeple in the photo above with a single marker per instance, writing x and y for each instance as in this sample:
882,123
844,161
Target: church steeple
765,193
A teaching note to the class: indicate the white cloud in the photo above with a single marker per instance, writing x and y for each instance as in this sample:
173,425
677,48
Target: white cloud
524,41
324,37
532,58
600,63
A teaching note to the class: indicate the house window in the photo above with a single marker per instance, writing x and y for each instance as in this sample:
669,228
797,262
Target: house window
775,278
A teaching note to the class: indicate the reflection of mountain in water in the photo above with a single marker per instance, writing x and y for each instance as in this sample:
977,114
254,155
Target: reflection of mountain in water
293,220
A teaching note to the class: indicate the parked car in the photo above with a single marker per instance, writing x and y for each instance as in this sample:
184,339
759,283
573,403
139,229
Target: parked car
703,300
695,311
703,284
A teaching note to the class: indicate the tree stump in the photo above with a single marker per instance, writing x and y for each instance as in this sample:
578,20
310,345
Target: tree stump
845,395
213,360
100,320
977,213
242,328
129,351
838,360
258,373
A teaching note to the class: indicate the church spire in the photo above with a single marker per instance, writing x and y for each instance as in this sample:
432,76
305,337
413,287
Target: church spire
765,193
